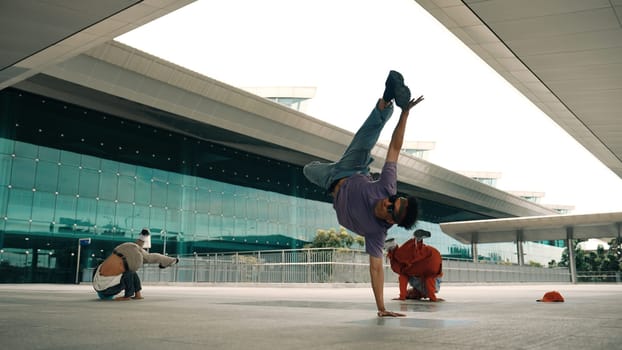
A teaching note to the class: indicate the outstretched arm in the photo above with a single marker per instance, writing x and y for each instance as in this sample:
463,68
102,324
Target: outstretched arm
397,139
376,271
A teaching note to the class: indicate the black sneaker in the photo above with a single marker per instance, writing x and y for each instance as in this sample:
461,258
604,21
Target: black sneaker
402,96
395,89
394,79
163,267
421,234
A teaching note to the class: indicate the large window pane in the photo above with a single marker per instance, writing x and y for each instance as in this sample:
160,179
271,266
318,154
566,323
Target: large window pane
240,206
66,212
204,183
109,166
262,227
6,164
108,183
157,222
144,173
43,206
7,146
86,212
125,218
90,162
26,150
141,217
239,228
215,226
160,175
284,214
127,185
216,186
215,202
173,196
262,209
188,200
251,209
68,180
70,158
20,204
17,225
41,226
4,200
188,224
273,228
251,228
127,169
174,178
228,227
188,180
300,215
158,194
23,174
49,154
47,176
89,183
203,200
228,209
105,216
173,221
143,191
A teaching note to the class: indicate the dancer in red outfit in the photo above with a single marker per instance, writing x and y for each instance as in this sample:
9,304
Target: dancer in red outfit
419,264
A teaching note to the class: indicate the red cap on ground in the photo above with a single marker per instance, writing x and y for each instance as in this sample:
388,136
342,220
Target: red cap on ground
552,296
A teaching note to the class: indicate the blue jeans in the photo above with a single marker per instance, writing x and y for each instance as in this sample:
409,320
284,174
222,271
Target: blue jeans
357,157
130,282
416,283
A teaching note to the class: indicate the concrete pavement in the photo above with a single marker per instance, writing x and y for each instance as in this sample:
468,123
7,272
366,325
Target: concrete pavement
44,316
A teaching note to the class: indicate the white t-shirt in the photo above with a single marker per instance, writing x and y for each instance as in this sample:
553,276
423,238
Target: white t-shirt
104,282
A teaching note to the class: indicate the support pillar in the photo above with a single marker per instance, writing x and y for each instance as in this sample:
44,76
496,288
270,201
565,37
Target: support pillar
474,247
571,261
520,254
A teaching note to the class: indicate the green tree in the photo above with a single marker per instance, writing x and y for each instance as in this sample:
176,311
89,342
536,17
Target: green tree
534,263
333,239
598,261
579,258
615,251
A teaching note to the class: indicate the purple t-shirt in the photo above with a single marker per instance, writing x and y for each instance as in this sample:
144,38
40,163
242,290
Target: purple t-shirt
354,205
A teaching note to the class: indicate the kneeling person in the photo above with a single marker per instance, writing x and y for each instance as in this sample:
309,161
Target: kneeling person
417,264
118,272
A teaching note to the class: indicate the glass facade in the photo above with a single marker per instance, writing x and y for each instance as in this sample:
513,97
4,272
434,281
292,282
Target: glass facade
51,197
67,173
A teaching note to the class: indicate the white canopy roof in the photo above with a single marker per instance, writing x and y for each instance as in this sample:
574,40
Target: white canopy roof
536,228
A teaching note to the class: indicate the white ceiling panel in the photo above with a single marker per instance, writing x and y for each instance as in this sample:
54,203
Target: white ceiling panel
567,61
560,25
503,10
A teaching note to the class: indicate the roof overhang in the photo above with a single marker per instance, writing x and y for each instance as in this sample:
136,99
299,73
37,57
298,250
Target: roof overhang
35,34
564,56
536,228
117,79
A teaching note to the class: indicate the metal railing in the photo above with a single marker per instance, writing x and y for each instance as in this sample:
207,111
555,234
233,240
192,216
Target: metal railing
599,276
323,265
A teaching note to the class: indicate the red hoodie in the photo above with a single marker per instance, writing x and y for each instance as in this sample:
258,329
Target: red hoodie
415,258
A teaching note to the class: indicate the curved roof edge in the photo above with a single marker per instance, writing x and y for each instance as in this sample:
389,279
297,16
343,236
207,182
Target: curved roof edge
536,228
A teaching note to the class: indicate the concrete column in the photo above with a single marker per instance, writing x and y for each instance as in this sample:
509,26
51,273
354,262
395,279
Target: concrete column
520,254
571,262
474,247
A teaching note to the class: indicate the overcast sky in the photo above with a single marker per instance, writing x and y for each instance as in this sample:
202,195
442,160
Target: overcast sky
346,48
